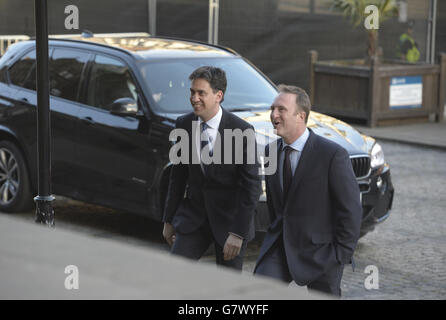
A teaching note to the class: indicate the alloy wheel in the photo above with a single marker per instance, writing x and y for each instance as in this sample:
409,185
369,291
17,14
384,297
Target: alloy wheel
9,176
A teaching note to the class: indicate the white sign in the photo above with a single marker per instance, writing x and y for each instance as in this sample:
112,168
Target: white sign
406,92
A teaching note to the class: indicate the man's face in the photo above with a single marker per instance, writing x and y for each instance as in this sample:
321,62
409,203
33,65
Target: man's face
203,99
286,117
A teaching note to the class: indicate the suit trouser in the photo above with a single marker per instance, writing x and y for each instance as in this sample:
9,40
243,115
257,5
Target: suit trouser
275,265
193,245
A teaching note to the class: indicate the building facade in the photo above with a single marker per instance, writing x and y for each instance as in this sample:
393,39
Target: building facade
275,35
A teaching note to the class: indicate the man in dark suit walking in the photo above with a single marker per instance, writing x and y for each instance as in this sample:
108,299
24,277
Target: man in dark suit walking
220,198
313,201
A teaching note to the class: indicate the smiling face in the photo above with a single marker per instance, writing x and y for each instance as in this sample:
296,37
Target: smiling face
204,100
287,118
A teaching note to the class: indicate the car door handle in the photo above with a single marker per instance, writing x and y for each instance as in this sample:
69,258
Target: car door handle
24,100
88,120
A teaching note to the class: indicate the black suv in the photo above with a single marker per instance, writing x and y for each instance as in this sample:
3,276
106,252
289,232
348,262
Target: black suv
113,104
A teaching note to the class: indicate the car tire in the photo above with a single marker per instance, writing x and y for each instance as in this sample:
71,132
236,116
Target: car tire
15,187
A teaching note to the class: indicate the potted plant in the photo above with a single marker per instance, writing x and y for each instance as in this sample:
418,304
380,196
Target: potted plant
355,11
373,90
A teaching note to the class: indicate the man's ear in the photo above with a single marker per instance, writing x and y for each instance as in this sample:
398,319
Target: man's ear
220,95
302,115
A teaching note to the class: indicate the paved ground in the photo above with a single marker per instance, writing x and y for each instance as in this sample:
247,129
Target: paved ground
39,263
422,134
408,249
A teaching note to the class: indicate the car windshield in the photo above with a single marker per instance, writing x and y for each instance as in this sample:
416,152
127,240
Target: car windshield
169,84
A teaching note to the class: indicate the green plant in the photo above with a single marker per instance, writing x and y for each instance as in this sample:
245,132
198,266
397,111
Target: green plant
354,10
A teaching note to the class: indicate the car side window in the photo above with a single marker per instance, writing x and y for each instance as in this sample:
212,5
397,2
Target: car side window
65,69
110,80
3,74
3,67
23,72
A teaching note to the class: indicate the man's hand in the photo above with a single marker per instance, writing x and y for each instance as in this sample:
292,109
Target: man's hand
169,233
232,247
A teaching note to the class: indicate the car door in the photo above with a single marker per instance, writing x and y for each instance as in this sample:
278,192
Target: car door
66,68
113,149
63,106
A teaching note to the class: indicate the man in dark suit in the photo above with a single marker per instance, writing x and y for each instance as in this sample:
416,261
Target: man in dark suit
220,197
313,200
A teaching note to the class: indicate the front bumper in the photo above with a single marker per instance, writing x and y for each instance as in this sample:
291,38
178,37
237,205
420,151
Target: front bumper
376,198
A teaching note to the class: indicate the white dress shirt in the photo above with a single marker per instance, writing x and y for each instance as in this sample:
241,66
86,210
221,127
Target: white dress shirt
297,146
210,132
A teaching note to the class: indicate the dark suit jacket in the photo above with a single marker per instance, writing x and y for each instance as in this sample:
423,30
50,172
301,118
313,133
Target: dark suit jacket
321,218
227,195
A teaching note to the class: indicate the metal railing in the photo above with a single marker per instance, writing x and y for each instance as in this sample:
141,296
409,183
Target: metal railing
6,41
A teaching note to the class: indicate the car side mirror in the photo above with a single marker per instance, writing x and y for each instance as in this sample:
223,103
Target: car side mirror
124,107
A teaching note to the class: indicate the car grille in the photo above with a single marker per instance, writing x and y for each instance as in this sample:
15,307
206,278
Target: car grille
361,166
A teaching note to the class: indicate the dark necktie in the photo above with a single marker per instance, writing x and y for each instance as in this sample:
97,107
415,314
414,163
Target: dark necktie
287,173
205,142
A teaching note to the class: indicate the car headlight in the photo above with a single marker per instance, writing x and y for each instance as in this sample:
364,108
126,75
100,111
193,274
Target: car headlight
377,156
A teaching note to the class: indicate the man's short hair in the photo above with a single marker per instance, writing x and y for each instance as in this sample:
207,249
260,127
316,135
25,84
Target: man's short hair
215,76
302,99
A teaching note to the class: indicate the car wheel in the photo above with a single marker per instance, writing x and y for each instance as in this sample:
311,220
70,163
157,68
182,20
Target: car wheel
15,191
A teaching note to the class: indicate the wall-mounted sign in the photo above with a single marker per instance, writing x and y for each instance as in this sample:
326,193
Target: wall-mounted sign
406,92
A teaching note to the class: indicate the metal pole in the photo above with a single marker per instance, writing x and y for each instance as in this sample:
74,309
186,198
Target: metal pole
44,209
152,17
214,6
216,15
211,22
429,33
434,27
